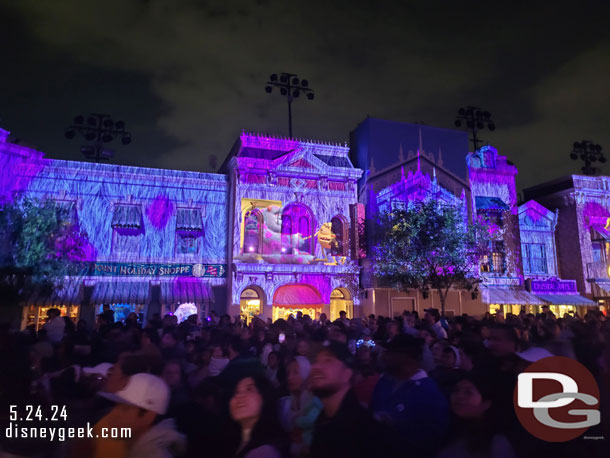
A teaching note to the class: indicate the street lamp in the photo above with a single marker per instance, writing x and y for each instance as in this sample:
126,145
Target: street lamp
475,120
98,129
290,87
588,152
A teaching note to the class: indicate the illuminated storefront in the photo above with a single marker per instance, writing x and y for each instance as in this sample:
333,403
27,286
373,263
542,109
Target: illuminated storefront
296,226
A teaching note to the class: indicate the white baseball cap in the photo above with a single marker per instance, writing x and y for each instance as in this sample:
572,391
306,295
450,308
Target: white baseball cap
100,369
145,391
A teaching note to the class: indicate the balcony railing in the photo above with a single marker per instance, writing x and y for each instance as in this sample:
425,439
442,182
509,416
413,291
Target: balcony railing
598,271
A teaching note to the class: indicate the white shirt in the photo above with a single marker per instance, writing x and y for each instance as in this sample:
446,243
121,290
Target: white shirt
55,329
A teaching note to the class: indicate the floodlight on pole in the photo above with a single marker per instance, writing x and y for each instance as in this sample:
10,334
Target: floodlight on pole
291,87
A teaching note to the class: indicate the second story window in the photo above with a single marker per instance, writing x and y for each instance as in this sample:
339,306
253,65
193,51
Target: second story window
189,231
495,261
66,212
127,229
534,258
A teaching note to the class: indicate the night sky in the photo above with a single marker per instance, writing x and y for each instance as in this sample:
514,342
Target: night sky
188,76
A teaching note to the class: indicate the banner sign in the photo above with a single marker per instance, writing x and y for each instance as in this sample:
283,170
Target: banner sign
554,286
118,269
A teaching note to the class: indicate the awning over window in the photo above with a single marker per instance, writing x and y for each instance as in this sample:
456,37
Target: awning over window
566,299
70,293
120,292
509,296
490,203
127,216
292,296
189,220
601,230
187,290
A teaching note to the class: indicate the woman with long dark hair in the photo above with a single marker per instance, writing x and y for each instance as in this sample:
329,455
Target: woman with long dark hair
475,432
253,407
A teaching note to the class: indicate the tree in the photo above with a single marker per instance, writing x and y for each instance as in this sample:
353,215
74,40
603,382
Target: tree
428,246
39,245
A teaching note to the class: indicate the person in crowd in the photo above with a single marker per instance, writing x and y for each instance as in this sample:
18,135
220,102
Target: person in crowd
108,313
432,318
343,428
407,399
173,376
55,325
446,372
299,410
475,432
272,369
253,408
139,407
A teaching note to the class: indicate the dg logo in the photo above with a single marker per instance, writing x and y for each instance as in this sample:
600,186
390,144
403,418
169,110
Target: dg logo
557,399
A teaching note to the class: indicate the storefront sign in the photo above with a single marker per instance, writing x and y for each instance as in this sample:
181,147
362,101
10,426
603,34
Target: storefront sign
112,269
501,281
553,286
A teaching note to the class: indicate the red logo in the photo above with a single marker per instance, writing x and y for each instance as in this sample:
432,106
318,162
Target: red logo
557,399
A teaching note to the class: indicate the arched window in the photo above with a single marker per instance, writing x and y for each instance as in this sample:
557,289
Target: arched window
340,229
301,229
252,231
286,234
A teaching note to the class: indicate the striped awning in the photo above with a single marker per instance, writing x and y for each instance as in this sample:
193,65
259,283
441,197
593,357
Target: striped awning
509,296
127,216
189,220
567,299
185,290
120,292
69,293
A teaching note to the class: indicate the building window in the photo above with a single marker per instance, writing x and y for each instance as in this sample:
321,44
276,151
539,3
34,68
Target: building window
253,224
492,217
339,227
534,258
66,212
495,261
127,229
189,230
187,245
297,223
599,246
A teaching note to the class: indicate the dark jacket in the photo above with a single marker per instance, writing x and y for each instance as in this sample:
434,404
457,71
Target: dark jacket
416,408
351,433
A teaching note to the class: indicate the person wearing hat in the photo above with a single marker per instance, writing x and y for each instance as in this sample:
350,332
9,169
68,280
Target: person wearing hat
139,406
344,428
409,401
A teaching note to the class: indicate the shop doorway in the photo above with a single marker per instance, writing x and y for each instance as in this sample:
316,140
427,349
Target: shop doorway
250,303
341,300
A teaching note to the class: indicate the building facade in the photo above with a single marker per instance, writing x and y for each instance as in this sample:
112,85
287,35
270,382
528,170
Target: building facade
537,226
583,237
294,228
492,180
156,239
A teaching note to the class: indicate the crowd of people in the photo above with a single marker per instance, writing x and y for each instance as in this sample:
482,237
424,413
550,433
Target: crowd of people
216,386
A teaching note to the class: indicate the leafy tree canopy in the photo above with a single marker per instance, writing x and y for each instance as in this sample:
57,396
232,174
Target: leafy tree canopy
39,245
430,245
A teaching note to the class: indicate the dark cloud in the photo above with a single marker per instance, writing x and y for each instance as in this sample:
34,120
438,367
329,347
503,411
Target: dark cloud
187,76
